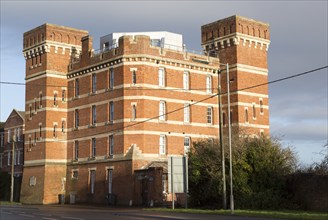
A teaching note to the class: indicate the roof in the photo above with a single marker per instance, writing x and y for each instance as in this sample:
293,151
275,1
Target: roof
21,114
157,164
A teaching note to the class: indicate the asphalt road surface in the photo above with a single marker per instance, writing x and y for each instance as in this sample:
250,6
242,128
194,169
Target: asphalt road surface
75,212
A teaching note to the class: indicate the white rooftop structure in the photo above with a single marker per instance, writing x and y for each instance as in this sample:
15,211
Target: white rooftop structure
159,38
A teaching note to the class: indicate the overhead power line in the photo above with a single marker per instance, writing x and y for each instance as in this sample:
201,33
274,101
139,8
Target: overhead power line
113,131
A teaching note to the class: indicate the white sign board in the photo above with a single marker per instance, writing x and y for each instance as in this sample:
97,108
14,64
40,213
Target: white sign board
178,170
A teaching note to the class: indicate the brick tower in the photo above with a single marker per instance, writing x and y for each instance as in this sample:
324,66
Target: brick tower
243,44
48,49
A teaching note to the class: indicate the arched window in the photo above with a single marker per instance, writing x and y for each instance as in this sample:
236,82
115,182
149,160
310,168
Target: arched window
254,112
261,107
134,112
223,118
246,115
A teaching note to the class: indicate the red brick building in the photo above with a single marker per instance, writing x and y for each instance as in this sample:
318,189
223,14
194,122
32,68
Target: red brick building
12,135
105,122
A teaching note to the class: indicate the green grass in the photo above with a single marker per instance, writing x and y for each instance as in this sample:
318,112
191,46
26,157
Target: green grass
254,213
9,203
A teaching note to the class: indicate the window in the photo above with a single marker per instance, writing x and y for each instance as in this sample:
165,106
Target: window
110,180
261,107
63,95
186,113
40,100
18,134
93,83
75,174
30,110
77,120
162,110
161,77
77,87
18,157
231,118
209,115
2,141
134,77
111,78
55,100
186,145
35,105
9,157
76,150
93,148
1,158
63,126
34,138
224,118
134,112
254,111
92,181
111,145
55,131
186,80
209,84
40,131
9,136
246,115
94,115
162,144
29,143
164,183
111,112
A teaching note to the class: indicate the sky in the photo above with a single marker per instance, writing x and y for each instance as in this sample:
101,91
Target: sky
298,107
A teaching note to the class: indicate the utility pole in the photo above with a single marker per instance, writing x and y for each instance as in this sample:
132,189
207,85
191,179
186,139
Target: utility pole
230,151
12,170
224,187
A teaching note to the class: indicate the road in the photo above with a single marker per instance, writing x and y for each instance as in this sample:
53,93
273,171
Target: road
75,212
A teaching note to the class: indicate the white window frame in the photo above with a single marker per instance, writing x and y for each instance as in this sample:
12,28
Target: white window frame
186,147
8,159
92,181
111,145
76,150
161,77
209,84
110,180
162,111
77,118
209,114
186,80
93,83
77,87
111,111
111,78
162,144
93,114
186,113
93,147
9,136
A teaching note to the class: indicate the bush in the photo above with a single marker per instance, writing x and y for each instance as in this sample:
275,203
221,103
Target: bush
259,168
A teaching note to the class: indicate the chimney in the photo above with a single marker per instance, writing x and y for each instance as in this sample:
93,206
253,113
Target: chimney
86,47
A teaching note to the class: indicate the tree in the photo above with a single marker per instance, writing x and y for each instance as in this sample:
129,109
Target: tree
259,167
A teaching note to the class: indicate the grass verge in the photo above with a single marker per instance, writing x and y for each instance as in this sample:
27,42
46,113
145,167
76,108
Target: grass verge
302,215
9,203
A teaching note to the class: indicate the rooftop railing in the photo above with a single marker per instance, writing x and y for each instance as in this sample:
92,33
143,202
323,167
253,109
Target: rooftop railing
154,44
